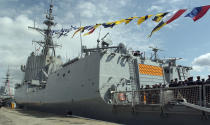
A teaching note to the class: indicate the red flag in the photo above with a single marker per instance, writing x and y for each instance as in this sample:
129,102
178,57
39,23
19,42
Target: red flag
203,11
176,15
91,31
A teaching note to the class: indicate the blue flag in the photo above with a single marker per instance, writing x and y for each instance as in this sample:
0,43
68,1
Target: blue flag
107,25
194,12
198,12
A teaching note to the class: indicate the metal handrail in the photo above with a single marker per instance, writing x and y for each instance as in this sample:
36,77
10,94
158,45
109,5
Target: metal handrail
206,95
159,95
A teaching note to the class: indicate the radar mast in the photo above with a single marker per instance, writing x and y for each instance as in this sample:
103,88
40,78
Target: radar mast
7,83
155,51
48,43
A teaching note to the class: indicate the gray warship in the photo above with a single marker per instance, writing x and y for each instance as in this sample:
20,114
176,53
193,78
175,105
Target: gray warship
107,83
7,90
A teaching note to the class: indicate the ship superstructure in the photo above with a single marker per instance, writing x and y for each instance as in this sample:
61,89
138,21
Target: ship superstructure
39,66
90,84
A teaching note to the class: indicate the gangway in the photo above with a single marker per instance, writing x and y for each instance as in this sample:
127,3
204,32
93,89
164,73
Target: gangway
198,107
182,99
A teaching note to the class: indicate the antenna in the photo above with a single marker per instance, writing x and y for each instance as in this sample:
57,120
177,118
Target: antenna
105,36
172,58
155,50
48,43
34,23
99,34
7,83
81,39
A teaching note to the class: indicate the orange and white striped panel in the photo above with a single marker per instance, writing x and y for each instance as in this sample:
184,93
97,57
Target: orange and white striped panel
150,70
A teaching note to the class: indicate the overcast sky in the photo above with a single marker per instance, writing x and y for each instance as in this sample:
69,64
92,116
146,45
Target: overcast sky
182,38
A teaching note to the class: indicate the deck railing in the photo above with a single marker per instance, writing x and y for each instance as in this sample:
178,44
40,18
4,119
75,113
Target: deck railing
206,95
196,94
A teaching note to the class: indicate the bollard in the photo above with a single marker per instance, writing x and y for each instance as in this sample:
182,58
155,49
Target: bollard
145,99
13,105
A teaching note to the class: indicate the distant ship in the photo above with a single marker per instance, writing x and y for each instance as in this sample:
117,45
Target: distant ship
7,90
103,83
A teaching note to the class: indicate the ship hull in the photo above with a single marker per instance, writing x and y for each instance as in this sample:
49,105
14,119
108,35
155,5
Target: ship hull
85,92
96,109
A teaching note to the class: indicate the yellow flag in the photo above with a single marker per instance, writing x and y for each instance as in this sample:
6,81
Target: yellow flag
110,23
128,20
80,29
158,27
92,30
97,25
116,22
142,19
120,21
159,16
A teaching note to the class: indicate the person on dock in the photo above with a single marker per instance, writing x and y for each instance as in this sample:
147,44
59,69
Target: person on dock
208,80
198,81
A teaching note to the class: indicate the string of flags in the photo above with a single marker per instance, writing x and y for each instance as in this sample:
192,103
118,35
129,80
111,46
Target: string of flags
174,16
161,18
63,32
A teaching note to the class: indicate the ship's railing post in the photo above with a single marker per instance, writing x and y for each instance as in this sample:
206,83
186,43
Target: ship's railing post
161,97
204,95
133,101
133,98
163,101
200,96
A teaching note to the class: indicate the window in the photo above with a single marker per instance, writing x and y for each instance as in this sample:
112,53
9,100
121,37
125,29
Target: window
64,75
58,74
68,71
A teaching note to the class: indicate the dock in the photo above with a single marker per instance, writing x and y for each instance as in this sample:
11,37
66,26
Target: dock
25,117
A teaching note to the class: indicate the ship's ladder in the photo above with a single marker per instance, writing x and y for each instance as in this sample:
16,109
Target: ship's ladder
203,109
197,107
133,81
200,107
181,73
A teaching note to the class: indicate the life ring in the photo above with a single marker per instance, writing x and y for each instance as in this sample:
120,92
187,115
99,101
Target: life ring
121,96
